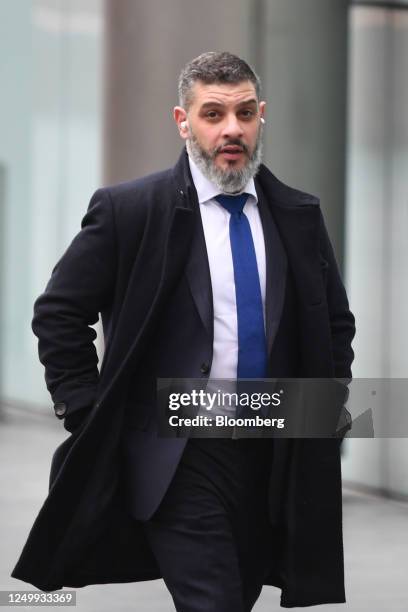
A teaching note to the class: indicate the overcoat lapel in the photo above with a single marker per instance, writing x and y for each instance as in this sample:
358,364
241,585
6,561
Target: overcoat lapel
197,268
276,269
297,217
299,228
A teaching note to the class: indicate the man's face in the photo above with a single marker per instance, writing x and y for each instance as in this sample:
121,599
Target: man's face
224,131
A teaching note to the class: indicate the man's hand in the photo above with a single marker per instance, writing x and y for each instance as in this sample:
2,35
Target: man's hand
74,420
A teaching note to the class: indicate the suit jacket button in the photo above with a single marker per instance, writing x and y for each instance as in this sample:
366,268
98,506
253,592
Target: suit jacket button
205,368
60,409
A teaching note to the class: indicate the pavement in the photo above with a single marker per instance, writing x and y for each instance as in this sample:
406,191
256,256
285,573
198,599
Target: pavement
375,533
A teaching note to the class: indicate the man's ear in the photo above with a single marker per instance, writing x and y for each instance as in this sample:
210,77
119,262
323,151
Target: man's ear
262,106
180,117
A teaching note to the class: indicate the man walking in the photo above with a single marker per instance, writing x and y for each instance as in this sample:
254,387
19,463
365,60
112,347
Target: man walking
213,269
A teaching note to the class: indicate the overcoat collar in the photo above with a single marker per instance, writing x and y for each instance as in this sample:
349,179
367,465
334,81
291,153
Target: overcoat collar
198,274
297,217
279,193
276,269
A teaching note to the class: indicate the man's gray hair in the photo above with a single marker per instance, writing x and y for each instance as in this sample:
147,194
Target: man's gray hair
214,67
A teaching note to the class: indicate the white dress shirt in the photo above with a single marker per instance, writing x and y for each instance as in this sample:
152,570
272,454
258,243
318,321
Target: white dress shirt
215,219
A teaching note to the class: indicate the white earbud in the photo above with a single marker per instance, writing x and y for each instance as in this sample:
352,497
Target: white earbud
183,125
262,120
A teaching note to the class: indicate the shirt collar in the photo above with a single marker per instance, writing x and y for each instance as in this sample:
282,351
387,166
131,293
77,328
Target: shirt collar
206,190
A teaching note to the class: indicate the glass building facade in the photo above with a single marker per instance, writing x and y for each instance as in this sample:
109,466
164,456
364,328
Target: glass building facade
50,161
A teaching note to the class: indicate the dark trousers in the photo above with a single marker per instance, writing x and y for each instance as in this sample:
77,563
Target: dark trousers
210,534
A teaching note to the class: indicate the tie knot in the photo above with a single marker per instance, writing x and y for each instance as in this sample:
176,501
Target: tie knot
234,204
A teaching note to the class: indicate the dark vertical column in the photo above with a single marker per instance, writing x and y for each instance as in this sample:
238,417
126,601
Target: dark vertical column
147,44
298,48
305,78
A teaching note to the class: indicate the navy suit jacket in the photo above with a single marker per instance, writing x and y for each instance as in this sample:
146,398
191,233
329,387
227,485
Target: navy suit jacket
182,348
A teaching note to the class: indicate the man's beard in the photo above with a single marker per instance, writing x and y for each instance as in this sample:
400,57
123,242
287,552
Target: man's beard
230,180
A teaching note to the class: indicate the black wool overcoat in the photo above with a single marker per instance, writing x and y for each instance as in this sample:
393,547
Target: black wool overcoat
82,535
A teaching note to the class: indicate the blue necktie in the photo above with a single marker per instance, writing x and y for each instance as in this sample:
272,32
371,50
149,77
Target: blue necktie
252,348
